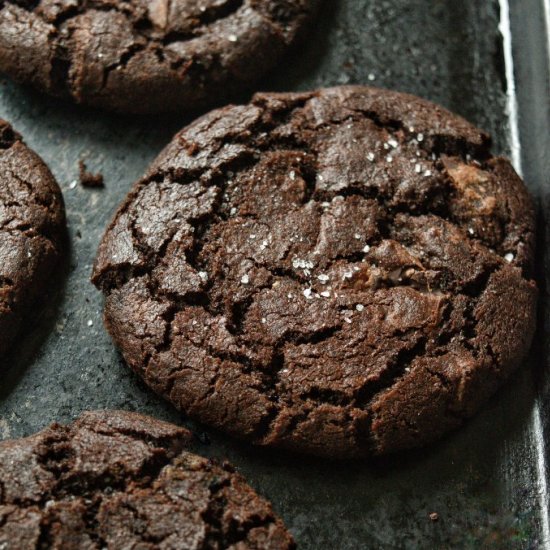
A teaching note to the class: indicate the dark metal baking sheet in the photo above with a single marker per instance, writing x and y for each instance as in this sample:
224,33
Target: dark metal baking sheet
487,481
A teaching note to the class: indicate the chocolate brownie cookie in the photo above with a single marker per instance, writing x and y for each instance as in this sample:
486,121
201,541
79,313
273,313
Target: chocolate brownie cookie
122,480
345,272
144,56
32,221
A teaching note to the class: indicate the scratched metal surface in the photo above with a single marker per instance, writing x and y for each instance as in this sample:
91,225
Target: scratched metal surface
485,481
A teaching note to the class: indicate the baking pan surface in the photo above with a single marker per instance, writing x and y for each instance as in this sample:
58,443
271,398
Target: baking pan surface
486,483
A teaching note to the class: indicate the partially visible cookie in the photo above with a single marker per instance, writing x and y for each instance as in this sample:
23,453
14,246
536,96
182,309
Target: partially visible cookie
32,222
114,479
141,56
345,272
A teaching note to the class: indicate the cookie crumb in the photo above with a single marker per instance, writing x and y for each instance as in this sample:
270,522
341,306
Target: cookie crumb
87,179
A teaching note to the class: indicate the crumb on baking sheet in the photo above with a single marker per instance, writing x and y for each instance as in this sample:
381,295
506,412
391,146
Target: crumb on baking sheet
87,179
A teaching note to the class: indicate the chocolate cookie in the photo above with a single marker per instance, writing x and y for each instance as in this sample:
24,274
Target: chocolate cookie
122,480
32,221
144,56
345,272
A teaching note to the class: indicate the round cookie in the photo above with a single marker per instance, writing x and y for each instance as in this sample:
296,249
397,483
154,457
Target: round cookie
142,56
32,221
122,480
345,272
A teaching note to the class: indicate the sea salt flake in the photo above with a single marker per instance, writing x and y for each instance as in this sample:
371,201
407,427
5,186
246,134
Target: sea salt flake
347,320
359,307
298,263
325,294
264,320
427,173
357,236
418,168
323,278
366,248
471,231
90,323
389,158
370,157
245,279
509,257
307,293
203,275
347,275
232,38
292,175
420,138
393,143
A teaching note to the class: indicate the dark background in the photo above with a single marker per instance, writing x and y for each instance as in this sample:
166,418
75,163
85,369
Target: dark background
486,481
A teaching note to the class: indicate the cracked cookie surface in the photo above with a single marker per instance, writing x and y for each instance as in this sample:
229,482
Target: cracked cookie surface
345,272
114,479
141,56
32,221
